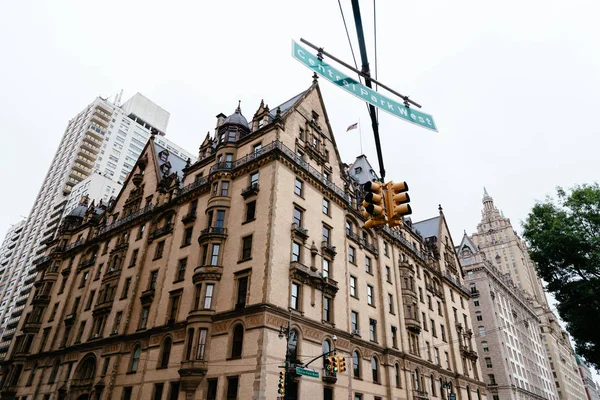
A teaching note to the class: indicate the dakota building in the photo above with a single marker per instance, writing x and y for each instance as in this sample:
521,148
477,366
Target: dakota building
178,287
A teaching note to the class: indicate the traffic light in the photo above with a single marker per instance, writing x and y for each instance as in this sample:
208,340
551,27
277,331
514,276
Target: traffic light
334,363
341,364
328,364
396,202
374,204
281,384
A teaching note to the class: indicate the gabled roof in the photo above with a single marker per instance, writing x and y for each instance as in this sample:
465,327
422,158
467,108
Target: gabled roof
164,156
429,227
466,242
361,170
286,105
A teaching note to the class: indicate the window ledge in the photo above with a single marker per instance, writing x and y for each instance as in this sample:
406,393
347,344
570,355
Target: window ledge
244,260
156,258
233,358
178,281
185,245
372,305
248,221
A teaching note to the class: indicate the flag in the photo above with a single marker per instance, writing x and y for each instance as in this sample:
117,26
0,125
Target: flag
353,126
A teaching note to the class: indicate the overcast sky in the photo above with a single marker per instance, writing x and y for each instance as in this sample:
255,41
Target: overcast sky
513,86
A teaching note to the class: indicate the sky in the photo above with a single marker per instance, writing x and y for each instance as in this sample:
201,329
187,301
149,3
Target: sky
513,86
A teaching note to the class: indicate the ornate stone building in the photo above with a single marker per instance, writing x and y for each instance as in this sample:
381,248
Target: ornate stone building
179,287
497,242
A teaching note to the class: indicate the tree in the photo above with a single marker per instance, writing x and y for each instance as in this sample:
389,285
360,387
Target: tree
564,240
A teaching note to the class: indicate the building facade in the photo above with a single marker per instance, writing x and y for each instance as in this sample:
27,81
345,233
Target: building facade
507,331
10,282
103,138
591,387
497,240
180,287
95,187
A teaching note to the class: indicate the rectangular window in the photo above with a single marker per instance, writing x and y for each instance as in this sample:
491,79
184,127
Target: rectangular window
295,298
197,296
488,362
298,187
84,278
295,252
53,313
211,392
214,259
134,256
90,300
429,303
326,235
424,321
326,206
144,317
115,329
254,180
208,296
370,300
160,247
181,269
201,344
388,274
250,210
80,332
187,237
391,303
325,268
368,264
127,391
174,391
224,188
433,332
443,332
242,292
439,306
126,286
394,337
174,306
447,359
220,221
153,279
436,354
247,248
354,320
326,309
232,387
298,217
351,255
372,330
158,391
353,286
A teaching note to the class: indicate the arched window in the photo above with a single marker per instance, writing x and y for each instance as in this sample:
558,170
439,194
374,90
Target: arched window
54,372
397,375
326,349
135,358
238,341
432,385
375,369
416,380
293,346
165,353
348,227
88,369
356,364
468,393
442,392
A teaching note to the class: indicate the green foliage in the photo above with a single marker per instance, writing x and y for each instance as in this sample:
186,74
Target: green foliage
564,241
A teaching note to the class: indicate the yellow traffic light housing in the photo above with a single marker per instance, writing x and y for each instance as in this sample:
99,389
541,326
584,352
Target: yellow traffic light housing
328,364
342,364
374,204
281,384
334,364
396,202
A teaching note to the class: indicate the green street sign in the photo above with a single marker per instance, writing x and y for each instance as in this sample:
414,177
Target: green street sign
307,372
356,88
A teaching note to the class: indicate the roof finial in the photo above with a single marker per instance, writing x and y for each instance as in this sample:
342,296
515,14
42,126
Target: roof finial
440,209
315,78
485,193
239,108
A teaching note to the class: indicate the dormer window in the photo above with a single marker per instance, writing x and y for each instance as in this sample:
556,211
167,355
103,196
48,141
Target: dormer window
163,155
261,122
357,170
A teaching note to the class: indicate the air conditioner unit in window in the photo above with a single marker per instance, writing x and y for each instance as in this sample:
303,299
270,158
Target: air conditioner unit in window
356,332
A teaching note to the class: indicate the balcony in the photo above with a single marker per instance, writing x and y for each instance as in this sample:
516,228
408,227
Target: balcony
214,232
207,273
420,394
251,190
353,236
299,231
192,373
454,281
31,326
162,231
147,296
102,308
370,247
43,299
328,249
313,278
124,220
189,217
226,166
87,263
412,324
433,290
90,147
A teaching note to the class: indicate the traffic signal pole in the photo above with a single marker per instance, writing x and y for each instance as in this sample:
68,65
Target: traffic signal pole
367,74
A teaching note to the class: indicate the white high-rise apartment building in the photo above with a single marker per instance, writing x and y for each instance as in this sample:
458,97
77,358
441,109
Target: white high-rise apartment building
103,138
9,284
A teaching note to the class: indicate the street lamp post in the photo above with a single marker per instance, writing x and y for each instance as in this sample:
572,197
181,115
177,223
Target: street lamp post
285,332
448,385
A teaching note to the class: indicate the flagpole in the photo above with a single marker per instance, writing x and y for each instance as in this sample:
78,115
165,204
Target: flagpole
360,136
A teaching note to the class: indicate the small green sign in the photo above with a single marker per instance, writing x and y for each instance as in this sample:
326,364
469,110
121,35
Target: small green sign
361,91
307,372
